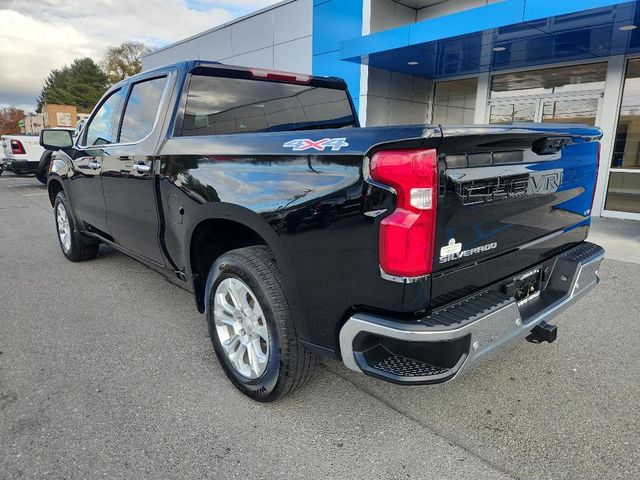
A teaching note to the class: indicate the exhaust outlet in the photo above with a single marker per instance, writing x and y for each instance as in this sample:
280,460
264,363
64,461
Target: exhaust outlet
543,332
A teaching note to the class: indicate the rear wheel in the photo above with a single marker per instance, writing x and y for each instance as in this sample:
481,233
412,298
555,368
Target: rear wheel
252,328
75,246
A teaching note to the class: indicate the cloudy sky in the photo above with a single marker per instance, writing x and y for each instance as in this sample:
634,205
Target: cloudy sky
37,36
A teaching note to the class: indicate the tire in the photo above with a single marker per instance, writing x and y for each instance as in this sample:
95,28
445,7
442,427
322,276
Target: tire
43,166
288,363
75,246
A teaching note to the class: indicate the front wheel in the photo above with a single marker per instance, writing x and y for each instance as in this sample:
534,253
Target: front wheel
43,166
74,245
252,328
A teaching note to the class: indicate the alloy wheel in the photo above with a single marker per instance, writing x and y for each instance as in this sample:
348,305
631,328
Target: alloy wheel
241,327
64,230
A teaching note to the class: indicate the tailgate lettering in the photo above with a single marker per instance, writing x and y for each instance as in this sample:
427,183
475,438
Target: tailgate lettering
467,253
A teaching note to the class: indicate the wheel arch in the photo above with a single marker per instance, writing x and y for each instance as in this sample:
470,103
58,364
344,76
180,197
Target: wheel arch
225,227
54,186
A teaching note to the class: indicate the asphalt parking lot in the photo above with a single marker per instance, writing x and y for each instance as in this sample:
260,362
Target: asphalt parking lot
107,371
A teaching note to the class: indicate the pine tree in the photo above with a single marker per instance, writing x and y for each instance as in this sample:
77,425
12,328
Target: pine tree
81,84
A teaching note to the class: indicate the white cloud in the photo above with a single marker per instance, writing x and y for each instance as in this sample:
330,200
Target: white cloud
38,36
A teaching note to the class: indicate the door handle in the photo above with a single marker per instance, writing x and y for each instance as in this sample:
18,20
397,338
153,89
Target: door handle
141,167
94,165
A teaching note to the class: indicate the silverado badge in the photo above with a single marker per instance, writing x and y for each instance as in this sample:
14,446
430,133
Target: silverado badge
454,251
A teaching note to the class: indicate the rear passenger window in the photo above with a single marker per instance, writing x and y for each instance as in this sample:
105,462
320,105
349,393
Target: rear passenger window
141,110
102,127
218,105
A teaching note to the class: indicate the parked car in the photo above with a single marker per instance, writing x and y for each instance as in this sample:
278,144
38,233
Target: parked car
23,155
425,249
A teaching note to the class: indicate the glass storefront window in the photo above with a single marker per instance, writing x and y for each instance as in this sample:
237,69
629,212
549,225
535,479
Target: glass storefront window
550,81
626,150
558,95
455,102
623,191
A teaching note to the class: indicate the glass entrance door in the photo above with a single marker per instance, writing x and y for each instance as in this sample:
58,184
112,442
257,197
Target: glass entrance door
513,111
571,110
623,187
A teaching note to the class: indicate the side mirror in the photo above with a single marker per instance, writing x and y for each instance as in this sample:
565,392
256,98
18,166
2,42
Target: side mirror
54,139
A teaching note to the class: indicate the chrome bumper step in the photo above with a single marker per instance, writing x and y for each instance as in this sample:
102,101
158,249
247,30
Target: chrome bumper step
407,367
467,310
458,336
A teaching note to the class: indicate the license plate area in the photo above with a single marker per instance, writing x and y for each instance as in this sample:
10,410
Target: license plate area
527,286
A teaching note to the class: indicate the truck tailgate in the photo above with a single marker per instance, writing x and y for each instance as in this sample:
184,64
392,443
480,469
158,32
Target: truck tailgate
30,144
514,193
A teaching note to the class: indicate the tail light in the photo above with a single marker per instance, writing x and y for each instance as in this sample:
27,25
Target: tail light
280,76
17,148
407,235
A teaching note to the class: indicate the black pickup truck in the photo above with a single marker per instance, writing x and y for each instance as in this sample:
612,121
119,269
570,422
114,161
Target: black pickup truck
412,253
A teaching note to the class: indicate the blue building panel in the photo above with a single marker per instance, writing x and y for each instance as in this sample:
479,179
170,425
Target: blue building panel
467,22
536,9
333,22
329,64
504,35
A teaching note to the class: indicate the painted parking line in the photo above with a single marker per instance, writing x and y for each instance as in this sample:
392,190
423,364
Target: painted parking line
33,194
22,185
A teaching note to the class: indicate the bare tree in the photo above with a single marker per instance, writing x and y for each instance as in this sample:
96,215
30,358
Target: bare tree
124,60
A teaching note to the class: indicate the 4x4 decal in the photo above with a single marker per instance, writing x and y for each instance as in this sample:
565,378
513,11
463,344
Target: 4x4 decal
301,144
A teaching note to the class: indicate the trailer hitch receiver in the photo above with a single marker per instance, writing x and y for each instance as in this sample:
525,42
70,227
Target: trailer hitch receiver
543,332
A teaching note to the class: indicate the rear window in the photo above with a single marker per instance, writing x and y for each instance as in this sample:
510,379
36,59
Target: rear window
217,106
141,109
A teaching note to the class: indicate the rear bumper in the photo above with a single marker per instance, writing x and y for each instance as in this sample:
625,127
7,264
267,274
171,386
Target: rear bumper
20,166
455,338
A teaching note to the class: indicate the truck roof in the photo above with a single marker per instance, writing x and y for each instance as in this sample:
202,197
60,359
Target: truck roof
191,65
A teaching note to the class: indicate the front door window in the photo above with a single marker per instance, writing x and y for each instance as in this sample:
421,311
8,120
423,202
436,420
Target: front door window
102,127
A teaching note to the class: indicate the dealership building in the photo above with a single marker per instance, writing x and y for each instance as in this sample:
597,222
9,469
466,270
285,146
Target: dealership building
460,62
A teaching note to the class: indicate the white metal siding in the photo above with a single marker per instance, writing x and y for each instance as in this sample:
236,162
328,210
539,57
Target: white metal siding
396,98
278,38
